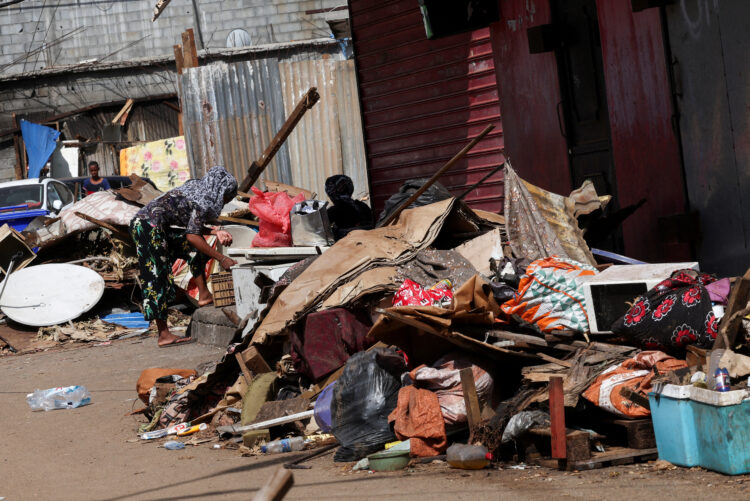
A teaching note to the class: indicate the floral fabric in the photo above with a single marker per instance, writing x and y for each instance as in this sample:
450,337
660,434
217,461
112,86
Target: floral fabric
550,296
674,314
157,249
164,162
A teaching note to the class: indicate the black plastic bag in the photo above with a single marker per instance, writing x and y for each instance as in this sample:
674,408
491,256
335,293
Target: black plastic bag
434,193
364,396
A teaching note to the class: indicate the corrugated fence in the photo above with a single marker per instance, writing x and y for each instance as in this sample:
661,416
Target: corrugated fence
232,111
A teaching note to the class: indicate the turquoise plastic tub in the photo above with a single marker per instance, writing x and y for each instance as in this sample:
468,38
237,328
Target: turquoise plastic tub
699,427
672,415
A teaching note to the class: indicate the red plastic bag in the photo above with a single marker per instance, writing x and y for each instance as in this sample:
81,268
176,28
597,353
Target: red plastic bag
273,210
412,294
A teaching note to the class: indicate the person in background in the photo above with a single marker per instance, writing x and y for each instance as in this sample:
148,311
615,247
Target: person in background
171,227
346,214
95,182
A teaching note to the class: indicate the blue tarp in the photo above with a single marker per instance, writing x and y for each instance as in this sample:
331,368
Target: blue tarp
40,142
133,320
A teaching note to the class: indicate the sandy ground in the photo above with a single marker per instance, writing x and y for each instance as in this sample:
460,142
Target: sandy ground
90,452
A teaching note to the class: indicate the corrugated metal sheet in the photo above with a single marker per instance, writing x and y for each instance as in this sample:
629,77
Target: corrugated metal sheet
230,114
328,140
232,111
423,100
644,145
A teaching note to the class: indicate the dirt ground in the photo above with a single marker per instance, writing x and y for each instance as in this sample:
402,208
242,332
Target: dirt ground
92,452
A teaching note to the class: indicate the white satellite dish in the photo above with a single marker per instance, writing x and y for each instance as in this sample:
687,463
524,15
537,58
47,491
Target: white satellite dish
239,38
50,294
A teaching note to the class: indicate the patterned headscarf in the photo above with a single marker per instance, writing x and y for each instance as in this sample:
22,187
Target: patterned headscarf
208,192
339,188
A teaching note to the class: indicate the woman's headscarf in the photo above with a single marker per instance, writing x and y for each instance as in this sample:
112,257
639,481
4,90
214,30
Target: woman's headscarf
208,192
339,188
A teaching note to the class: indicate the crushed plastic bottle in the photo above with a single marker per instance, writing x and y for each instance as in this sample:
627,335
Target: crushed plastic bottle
174,445
62,397
468,457
284,445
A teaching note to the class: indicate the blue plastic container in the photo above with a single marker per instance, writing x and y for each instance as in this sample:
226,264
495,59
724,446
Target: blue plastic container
672,415
322,410
699,427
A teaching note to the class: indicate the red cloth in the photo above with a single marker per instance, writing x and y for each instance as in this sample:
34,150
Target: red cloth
326,339
417,417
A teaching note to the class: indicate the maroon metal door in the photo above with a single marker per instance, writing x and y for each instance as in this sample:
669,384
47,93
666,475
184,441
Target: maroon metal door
422,100
644,144
530,97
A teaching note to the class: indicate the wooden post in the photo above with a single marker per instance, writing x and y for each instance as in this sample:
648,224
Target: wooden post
728,326
179,64
189,52
437,175
18,146
557,417
469,388
276,487
256,168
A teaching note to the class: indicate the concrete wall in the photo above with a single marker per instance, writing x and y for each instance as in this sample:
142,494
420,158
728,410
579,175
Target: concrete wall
111,26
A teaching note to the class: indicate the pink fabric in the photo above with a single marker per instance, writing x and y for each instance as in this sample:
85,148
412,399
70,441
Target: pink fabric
719,291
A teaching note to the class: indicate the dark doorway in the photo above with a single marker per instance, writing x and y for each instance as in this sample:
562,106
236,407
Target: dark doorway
583,112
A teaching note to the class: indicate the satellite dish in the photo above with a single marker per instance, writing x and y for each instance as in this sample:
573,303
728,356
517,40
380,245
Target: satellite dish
239,38
50,294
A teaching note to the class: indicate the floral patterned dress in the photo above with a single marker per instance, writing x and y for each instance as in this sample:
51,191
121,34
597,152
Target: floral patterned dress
159,244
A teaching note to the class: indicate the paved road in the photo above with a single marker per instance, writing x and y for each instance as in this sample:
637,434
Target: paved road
89,453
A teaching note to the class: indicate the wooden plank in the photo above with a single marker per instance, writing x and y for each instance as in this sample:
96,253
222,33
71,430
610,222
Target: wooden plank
189,51
238,220
458,156
243,367
123,111
178,58
256,168
554,360
276,487
616,454
255,361
122,234
514,336
557,418
730,322
471,398
640,432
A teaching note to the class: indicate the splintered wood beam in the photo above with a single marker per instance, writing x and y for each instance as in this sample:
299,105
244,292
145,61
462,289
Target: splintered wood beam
256,168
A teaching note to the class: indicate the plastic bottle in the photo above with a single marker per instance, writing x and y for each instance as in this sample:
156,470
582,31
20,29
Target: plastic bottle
284,445
468,457
67,397
174,445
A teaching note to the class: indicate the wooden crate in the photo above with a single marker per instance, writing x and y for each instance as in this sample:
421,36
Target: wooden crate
223,288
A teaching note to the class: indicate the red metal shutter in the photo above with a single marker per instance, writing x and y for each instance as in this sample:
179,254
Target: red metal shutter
422,100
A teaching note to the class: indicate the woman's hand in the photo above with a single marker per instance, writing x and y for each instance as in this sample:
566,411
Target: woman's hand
225,238
227,262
